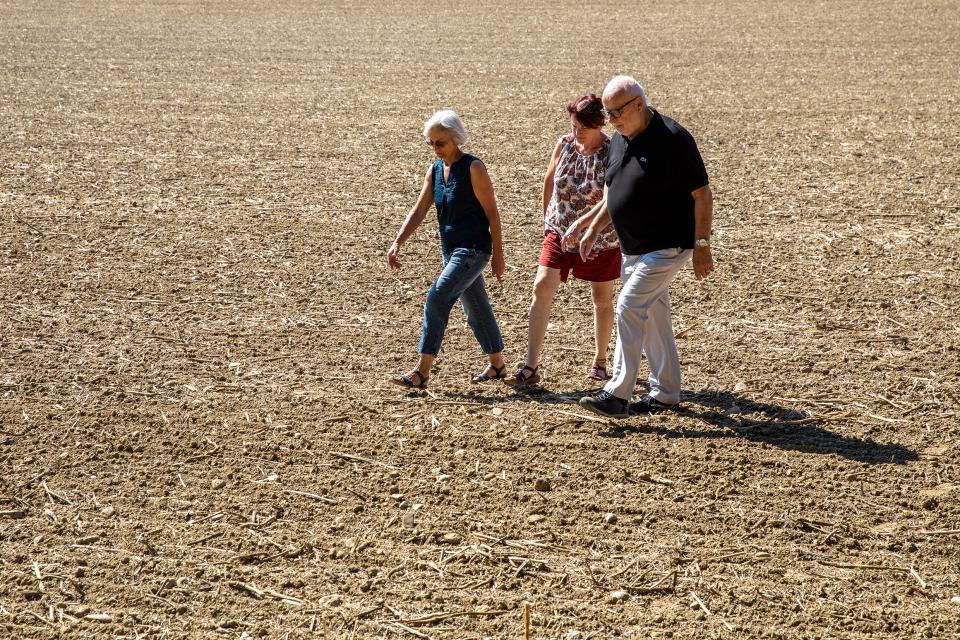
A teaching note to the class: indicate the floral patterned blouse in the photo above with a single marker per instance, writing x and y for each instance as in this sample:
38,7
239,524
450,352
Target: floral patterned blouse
577,186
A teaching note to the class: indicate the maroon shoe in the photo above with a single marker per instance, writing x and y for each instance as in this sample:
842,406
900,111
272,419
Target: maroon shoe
598,372
525,375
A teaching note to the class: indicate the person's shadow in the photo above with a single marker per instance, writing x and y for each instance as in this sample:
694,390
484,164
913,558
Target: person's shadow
728,415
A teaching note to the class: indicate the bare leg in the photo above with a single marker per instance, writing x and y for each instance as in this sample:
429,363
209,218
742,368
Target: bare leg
424,364
545,287
418,376
602,319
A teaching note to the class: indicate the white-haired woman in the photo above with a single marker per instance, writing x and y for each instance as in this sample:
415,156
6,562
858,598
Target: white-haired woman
458,184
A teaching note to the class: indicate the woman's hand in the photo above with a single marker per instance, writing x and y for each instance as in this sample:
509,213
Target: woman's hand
499,265
571,238
483,190
392,254
413,220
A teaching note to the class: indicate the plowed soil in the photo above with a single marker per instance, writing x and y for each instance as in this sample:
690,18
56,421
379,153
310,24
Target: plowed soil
197,324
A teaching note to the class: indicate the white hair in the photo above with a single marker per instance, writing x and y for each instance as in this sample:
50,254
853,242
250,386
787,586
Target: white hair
450,122
627,85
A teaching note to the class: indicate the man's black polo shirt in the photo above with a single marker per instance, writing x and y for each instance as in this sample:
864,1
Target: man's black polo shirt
649,180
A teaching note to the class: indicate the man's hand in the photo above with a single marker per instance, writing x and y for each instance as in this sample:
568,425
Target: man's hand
586,243
702,262
392,254
499,266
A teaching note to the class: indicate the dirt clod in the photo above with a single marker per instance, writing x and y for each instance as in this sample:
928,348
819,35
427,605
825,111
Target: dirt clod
542,484
198,324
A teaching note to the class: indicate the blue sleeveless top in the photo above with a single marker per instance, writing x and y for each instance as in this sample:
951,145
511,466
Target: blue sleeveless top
463,223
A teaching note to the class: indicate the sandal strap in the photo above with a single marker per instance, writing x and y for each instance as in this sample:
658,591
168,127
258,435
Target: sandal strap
519,377
499,373
409,380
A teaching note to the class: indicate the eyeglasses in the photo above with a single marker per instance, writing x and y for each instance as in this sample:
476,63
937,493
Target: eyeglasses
616,113
438,144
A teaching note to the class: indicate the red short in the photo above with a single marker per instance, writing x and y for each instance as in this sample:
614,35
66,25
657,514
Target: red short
603,268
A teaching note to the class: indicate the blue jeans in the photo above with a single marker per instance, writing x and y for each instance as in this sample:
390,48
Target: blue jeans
461,278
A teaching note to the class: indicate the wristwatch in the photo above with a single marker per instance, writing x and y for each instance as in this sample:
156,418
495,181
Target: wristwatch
701,242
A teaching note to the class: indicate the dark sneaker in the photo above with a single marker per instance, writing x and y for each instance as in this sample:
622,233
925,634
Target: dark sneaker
648,404
606,404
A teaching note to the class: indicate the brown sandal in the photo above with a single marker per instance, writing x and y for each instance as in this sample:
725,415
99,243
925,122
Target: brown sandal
521,378
406,380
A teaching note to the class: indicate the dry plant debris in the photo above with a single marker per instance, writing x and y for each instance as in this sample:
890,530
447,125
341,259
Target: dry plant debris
197,438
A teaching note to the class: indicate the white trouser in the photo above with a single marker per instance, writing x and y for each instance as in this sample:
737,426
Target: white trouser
644,326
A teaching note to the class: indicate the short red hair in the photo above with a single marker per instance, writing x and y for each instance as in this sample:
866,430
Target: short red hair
588,111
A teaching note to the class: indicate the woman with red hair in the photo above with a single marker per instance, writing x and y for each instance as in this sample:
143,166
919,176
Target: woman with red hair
572,186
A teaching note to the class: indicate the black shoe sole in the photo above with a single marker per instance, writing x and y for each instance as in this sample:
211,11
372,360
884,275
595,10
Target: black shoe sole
646,409
625,414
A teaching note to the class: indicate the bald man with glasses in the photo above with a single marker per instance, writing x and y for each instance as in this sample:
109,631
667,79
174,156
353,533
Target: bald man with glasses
658,198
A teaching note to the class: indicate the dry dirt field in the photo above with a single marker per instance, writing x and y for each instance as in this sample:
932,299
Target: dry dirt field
197,435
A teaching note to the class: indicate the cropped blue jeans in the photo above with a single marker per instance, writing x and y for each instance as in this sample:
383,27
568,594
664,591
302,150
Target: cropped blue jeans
461,279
